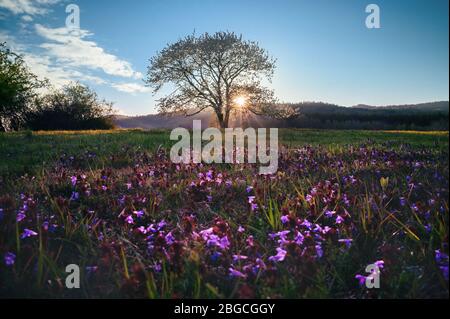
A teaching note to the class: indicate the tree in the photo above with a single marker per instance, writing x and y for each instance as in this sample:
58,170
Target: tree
215,72
73,107
18,89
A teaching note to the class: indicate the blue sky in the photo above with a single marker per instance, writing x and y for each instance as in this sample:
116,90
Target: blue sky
324,50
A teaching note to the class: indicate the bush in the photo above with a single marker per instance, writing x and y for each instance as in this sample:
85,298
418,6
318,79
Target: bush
74,107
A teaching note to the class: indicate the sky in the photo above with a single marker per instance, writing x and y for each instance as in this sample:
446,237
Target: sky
324,50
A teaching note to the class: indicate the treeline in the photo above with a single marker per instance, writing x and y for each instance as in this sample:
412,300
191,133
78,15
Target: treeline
426,116
24,105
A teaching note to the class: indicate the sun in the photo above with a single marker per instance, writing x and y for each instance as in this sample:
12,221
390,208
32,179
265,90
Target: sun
240,101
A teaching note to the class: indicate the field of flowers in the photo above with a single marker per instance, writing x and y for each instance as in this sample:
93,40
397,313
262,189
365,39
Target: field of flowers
140,226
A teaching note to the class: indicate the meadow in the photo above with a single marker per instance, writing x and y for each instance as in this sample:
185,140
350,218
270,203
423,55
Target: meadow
140,226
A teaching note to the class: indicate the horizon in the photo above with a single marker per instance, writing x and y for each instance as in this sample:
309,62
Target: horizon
324,51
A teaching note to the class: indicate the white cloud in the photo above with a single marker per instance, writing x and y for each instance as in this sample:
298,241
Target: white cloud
29,7
44,67
27,18
71,47
131,87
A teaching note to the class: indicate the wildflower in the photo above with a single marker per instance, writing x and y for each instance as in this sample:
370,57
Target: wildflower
74,196
319,250
236,273
379,264
241,229
28,233
250,241
129,219
215,256
73,179
307,224
330,213
161,224
224,243
402,201
142,230
20,216
299,238
339,220
170,239
361,279
281,254
309,199
251,199
347,241
440,256
138,213
249,189
10,258
239,257
129,185
285,219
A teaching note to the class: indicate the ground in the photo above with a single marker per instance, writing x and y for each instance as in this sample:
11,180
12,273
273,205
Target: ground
138,225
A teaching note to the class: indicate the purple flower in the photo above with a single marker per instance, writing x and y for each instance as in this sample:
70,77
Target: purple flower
129,219
361,279
161,224
28,233
73,179
142,229
10,258
241,229
339,219
379,264
215,256
236,273
440,256
330,213
20,216
224,243
347,241
319,250
249,189
74,196
239,257
285,219
299,239
139,213
251,199
170,239
281,254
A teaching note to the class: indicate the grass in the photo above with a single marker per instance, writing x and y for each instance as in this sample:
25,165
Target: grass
27,152
141,226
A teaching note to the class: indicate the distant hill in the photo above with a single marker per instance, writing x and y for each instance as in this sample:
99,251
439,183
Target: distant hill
430,106
423,116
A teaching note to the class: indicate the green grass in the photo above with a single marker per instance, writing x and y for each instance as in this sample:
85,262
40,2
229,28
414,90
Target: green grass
28,152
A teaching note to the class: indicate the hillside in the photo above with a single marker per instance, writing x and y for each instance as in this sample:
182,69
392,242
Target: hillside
423,116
